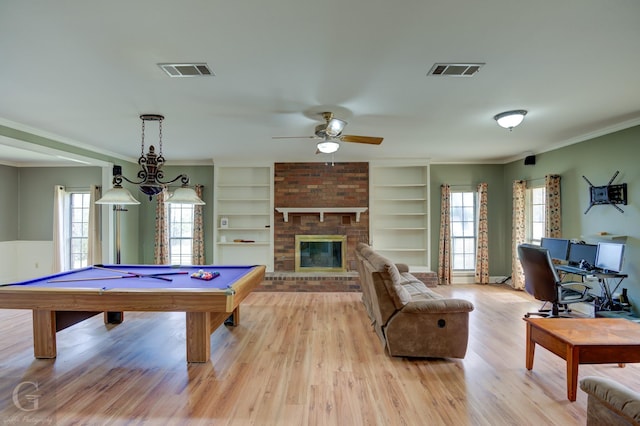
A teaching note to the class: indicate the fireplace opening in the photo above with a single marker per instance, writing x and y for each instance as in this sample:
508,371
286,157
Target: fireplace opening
321,253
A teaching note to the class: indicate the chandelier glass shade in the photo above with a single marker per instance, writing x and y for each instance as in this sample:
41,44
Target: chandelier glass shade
150,176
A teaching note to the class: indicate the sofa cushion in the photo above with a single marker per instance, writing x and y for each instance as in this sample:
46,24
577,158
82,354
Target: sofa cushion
608,400
396,290
419,291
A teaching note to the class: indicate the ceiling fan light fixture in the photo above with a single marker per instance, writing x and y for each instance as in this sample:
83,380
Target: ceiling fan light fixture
328,147
510,119
335,127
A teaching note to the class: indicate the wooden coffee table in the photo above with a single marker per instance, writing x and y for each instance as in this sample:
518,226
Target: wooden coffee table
584,341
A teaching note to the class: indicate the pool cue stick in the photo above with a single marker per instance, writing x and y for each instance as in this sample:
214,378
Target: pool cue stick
135,274
68,280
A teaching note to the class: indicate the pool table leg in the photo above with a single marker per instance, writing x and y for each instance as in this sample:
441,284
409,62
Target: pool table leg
113,317
200,325
234,318
44,334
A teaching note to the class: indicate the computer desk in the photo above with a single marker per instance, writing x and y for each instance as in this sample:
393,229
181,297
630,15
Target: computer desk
609,282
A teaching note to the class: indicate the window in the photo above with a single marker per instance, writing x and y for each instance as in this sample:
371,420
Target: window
78,229
536,199
463,231
180,234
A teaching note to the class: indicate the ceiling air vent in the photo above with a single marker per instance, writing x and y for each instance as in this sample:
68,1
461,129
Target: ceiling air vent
187,70
455,70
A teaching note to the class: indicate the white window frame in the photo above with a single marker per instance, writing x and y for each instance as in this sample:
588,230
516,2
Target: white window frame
535,229
473,238
180,238
70,224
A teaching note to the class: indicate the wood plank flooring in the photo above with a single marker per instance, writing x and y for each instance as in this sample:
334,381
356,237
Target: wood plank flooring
295,359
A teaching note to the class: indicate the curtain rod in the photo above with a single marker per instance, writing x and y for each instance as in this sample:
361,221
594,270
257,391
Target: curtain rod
79,188
464,185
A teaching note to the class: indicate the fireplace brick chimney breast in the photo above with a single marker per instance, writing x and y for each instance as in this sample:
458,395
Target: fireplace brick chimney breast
319,185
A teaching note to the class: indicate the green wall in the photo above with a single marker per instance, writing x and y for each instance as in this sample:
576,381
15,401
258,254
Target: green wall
26,198
9,203
202,175
597,159
36,196
466,177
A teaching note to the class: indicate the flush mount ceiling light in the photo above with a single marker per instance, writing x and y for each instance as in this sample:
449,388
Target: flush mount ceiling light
328,146
510,119
151,176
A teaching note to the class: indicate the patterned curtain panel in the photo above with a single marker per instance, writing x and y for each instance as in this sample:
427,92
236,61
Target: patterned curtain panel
198,231
161,244
518,232
94,255
482,249
553,211
444,247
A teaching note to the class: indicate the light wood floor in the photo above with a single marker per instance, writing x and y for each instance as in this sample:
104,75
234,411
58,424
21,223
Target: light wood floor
295,359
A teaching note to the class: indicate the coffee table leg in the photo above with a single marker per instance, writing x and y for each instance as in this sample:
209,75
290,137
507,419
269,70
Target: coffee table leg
531,348
573,360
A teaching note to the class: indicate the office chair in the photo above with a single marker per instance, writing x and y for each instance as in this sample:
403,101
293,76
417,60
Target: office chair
542,282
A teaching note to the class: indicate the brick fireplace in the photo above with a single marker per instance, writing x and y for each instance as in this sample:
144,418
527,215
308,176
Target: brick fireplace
319,185
344,187
320,253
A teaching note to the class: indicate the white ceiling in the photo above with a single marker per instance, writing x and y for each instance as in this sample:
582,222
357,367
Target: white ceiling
84,71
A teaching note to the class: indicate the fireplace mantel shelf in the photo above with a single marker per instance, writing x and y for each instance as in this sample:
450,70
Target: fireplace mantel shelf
321,210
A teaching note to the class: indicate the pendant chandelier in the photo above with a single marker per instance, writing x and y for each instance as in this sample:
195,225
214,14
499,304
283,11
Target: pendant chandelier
150,176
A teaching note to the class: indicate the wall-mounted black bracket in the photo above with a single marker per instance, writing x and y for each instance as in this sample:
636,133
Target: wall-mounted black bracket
607,194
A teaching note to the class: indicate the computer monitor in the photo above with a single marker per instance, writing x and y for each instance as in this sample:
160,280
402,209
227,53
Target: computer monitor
579,252
558,247
609,257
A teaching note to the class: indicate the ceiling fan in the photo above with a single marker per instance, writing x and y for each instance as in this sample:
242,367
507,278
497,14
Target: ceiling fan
330,135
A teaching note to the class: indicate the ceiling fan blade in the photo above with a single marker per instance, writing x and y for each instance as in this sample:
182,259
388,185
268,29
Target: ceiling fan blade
294,137
361,139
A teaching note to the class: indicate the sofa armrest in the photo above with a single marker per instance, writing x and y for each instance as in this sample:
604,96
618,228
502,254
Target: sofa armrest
402,267
609,394
438,306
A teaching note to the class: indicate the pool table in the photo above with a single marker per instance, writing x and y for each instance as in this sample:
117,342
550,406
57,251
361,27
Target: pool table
64,299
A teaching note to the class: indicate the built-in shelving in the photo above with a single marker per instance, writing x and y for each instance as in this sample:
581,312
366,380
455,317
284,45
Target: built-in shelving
243,201
399,212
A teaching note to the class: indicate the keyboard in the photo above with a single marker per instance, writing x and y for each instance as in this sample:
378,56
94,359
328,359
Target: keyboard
573,269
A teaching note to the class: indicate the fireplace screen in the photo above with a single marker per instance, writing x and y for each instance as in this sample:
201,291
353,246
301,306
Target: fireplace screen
321,253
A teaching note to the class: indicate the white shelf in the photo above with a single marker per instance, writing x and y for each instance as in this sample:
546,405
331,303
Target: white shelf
399,201
400,185
400,214
264,228
244,197
242,214
401,229
605,237
243,185
321,211
401,249
232,243
402,199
